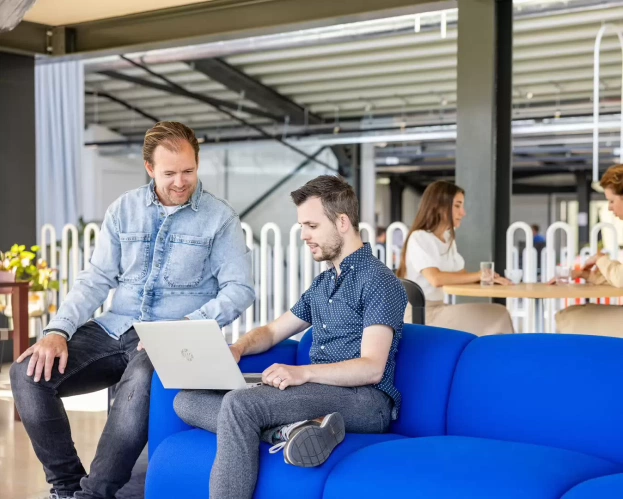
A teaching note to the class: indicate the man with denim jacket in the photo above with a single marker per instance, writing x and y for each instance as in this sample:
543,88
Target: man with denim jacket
172,251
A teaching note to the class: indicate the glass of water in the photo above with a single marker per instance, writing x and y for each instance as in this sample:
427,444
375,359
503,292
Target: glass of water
487,273
563,275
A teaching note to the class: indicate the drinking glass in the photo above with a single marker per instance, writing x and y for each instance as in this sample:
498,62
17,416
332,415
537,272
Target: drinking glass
487,273
563,275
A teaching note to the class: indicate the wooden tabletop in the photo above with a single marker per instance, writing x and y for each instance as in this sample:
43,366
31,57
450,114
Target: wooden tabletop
535,291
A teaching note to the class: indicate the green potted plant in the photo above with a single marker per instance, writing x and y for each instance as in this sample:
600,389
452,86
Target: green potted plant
24,265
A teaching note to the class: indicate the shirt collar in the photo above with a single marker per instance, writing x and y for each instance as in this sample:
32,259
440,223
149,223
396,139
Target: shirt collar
362,253
152,198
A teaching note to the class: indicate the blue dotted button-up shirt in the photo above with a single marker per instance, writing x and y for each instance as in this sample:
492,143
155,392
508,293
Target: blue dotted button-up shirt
339,308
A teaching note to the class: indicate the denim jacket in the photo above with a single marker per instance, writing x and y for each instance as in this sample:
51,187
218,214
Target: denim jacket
192,263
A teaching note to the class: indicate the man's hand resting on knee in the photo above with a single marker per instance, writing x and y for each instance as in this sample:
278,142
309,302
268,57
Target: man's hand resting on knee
42,355
282,376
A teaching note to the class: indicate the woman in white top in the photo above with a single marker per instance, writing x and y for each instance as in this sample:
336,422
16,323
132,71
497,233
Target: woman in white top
430,258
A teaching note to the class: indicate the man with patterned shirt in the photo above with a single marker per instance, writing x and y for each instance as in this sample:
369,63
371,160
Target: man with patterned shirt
356,308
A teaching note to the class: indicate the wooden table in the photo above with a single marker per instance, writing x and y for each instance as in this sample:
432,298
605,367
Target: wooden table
537,292
19,292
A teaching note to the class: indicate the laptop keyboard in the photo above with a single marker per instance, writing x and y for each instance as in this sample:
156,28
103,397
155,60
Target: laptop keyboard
253,378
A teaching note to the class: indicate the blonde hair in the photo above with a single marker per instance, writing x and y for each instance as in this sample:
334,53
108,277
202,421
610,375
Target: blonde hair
613,179
170,135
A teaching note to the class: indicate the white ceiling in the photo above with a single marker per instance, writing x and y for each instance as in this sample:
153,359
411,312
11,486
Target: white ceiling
394,74
63,12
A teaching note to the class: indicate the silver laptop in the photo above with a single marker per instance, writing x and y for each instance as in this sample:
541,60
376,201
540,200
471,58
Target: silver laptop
192,355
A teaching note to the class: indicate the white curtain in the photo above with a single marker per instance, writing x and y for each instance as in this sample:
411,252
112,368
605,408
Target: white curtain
59,88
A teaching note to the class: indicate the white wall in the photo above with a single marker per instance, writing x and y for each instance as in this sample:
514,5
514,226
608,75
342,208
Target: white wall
242,173
383,203
532,209
410,204
106,177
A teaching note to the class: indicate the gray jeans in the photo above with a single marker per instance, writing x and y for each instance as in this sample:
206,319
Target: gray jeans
242,418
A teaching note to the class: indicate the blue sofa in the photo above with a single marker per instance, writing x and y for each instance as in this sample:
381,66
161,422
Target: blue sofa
525,416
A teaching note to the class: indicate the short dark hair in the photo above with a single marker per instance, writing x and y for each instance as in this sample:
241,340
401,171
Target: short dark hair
535,227
336,195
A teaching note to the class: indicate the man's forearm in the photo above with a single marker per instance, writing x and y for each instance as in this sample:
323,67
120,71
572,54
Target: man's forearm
355,372
87,294
231,301
612,270
257,341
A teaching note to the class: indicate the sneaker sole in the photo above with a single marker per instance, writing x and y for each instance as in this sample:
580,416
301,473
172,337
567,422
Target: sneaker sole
313,445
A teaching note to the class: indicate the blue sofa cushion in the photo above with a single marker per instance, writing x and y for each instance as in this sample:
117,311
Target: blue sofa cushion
162,418
607,487
181,465
460,467
425,364
547,389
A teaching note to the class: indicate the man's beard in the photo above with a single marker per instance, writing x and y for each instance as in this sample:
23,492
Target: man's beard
331,250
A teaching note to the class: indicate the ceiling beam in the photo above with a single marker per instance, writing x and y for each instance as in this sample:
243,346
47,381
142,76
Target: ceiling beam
202,98
191,95
265,97
526,189
217,20
27,38
125,104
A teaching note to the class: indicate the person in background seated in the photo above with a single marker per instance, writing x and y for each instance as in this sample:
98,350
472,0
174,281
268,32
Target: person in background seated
356,308
172,251
592,318
430,258
537,238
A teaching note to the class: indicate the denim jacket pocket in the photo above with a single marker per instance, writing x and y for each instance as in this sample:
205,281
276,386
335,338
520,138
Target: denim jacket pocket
186,260
135,247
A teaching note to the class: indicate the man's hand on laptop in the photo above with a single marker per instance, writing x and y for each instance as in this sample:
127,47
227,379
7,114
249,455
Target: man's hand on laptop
282,376
42,355
139,347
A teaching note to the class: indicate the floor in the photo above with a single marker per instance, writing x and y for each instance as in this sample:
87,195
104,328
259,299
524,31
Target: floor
21,474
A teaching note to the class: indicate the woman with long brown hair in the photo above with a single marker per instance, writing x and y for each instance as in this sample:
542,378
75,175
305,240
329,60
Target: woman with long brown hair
430,258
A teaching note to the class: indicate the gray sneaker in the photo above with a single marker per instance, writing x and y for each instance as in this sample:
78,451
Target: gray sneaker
310,443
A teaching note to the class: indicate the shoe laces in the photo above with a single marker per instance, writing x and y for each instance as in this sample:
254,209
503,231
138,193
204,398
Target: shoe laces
285,431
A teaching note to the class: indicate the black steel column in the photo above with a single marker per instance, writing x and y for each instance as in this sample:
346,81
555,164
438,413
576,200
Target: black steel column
584,190
18,190
484,103
355,171
396,188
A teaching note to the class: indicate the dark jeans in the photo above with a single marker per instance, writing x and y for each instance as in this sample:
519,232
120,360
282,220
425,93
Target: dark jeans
96,361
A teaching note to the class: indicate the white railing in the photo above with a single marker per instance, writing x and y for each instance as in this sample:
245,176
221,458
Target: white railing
566,255
521,309
279,280
596,91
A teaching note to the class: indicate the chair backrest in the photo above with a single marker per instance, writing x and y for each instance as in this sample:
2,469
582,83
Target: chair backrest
417,301
548,389
425,365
